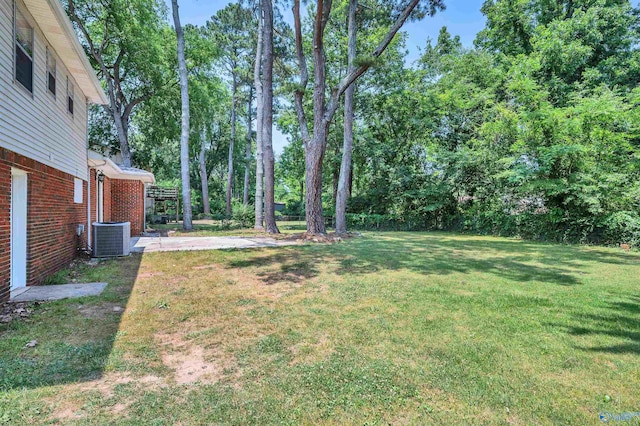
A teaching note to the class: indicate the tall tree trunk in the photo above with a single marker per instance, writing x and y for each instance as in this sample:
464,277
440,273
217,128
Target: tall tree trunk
267,120
204,177
184,136
316,146
313,197
335,175
247,152
301,192
257,82
323,112
123,133
232,143
344,184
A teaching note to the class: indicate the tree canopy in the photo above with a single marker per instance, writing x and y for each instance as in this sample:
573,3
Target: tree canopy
533,131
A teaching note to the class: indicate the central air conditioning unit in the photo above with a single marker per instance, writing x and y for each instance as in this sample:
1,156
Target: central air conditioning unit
111,239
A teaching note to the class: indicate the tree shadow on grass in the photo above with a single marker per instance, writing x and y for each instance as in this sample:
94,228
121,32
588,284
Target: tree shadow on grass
621,321
438,254
74,337
292,267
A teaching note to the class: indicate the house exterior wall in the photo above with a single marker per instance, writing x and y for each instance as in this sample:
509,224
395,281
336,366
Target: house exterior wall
5,229
127,204
37,125
52,219
123,201
107,201
93,197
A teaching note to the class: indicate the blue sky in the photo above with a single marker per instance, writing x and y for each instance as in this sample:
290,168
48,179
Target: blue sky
461,17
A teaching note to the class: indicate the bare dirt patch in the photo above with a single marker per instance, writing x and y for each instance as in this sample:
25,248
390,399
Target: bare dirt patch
70,408
120,408
107,383
65,413
143,275
100,311
192,363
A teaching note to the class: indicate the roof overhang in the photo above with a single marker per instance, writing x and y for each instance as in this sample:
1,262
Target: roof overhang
113,171
57,28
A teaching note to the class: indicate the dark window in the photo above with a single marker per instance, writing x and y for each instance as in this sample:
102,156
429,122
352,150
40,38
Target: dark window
52,84
24,51
24,68
51,73
69,96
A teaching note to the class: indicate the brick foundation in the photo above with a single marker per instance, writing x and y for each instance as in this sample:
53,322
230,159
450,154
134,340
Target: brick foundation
52,219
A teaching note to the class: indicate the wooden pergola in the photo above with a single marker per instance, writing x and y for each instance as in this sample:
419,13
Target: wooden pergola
162,195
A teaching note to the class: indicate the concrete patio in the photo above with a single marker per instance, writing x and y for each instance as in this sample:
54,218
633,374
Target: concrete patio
154,244
56,292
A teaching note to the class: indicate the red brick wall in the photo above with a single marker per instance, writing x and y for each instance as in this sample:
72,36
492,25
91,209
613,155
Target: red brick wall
5,228
127,203
106,189
94,195
123,202
52,219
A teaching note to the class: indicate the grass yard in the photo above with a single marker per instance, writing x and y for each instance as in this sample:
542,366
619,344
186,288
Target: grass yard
392,328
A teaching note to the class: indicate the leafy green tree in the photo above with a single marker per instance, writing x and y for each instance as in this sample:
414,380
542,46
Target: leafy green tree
127,44
231,28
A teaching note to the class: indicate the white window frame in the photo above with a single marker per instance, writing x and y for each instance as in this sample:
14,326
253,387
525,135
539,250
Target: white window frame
78,189
15,43
70,96
55,73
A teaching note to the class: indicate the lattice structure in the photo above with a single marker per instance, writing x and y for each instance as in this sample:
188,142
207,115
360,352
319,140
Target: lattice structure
161,196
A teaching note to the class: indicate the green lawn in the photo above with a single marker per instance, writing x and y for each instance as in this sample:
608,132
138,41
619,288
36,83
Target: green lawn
391,328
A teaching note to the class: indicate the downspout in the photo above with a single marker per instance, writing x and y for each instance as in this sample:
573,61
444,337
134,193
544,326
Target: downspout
88,179
89,208
144,207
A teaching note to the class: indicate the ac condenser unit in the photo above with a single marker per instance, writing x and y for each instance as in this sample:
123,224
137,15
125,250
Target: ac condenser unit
111,239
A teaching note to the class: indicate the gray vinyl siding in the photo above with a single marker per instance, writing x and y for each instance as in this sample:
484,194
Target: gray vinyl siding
38,125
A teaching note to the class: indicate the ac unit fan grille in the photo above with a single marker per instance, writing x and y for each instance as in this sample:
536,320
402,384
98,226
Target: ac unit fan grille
111,239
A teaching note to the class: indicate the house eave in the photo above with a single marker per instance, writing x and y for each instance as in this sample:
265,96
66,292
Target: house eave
114,171
57,28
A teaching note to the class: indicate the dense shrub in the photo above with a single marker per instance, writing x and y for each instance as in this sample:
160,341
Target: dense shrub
243,213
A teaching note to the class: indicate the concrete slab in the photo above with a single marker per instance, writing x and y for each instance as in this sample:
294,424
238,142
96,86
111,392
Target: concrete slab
154,244
57,292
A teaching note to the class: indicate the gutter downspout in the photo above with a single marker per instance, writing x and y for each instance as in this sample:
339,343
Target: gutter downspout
88,181
144,207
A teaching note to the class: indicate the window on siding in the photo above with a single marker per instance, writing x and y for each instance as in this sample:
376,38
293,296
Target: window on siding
69,96
51,73
77,191
24,51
